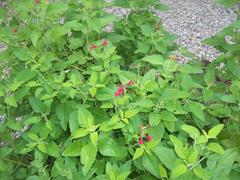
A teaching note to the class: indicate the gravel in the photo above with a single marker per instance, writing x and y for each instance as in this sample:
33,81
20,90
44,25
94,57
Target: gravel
195,20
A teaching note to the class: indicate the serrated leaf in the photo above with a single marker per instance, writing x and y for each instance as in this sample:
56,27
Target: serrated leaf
215,147
192,131
138,153
178,146
168,116
88,155
73,149
213,132
197,109
94,138
78,133
35,36
130,113
178,170
154,59
10,100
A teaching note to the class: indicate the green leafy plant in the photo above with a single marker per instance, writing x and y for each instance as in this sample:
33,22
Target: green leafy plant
81,103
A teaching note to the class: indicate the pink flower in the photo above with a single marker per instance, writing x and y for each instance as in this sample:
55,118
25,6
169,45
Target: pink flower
140,141
93,46
131,83
105,42
120,91
148,137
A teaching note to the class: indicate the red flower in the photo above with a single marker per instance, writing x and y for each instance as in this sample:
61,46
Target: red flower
140,141
120,91
93,46
131,83
37,1
105,42
148,137
14,30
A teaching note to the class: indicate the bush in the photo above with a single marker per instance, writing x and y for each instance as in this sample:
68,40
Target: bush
81,103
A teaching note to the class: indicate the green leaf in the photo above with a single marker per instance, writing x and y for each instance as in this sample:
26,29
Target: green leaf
168,116
105,94
56,8
75,43
201,140
73,149
151,164
36,104
192,131
178,170
4,151
193,156
21,54
154,59
154,119
201,173
53,149
228,3
62,112
109,147
138,153
178,146
165,155
94,138
213,132
59,31
110,171
146,29
215,147
131,112
10,100
190,69
35,36
85,117
32,120
78,133
163,172
88,155
209,76
197,109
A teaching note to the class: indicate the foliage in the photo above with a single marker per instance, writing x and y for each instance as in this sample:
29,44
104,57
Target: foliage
97,105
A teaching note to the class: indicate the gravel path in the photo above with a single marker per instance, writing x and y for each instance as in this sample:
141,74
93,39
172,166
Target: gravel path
195,20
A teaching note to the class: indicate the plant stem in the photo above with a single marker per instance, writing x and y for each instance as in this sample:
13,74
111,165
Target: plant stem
16,162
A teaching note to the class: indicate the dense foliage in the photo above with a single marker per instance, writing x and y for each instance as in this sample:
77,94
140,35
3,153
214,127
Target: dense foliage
77,102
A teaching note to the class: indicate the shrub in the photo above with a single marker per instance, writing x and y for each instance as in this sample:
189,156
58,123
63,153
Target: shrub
80,103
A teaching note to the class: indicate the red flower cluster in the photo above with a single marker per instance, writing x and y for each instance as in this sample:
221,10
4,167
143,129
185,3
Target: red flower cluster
131,83
105,42
14,30
148,138
37,1
140,141
93,46
120,91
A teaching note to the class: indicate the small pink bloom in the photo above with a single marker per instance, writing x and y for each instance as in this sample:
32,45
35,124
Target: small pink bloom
93,46
105,42
14,30
149,138
120,91
131,83
140,141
